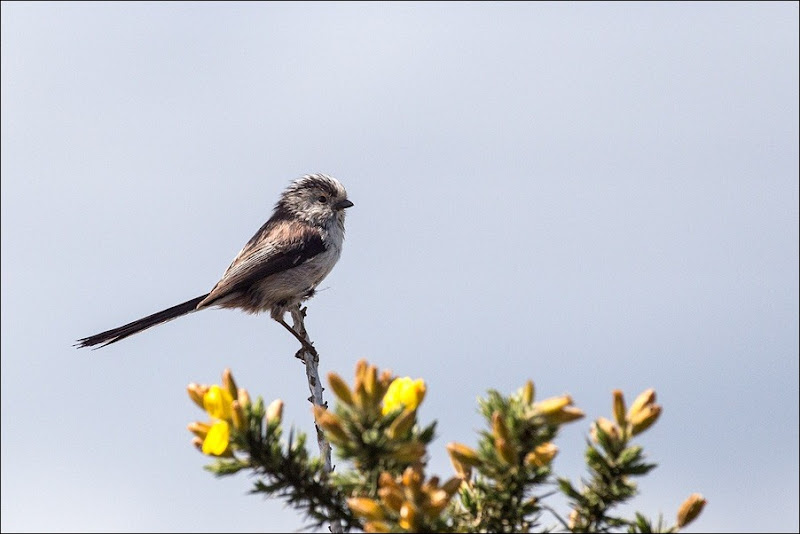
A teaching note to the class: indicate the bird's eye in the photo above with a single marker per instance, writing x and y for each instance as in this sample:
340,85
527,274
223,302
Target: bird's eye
322,198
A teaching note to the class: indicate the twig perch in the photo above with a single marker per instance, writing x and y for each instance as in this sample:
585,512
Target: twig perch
310,358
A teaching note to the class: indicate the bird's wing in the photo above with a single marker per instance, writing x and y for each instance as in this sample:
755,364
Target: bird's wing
276,247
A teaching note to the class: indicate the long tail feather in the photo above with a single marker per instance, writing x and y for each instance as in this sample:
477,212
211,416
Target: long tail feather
116,334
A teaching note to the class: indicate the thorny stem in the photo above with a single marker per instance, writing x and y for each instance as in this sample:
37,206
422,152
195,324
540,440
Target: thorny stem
310,357
303,339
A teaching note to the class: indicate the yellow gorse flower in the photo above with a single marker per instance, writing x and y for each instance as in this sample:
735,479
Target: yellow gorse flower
226,405
403,392
217,402
217,439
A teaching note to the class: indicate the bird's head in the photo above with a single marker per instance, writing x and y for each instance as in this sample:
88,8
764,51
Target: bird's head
317,199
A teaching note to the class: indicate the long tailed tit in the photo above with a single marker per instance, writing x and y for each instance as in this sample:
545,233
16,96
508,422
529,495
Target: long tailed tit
278,268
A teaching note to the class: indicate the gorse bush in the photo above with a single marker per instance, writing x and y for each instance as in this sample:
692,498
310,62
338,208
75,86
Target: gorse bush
499,485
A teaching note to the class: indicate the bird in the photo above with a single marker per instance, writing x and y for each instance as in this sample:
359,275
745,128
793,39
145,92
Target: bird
279,267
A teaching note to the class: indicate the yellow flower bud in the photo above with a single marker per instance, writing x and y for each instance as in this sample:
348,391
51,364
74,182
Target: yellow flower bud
431,484
553,404
527,392
218,439
451,486
386,480
391,497
361,367
217,402
408,452
546,451
360,397
499,428
542,455
238,418
565,415
619,407
199,429
644,418
275,411
196,393
359,393
366,508
608,427
340,388
408,517
377,526
412,478
330,424
463,454
690,509
229,383
645,398
506,450
531,460
319,412
243,397
403,392
574,518
370,380
438,501
463,471
401,425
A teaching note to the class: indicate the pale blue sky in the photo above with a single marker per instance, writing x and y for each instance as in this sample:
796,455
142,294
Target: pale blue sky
594,196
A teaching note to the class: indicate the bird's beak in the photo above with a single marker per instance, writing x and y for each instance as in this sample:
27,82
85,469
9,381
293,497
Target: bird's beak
342,204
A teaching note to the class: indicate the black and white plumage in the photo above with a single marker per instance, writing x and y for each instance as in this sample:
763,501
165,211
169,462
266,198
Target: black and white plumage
278,268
